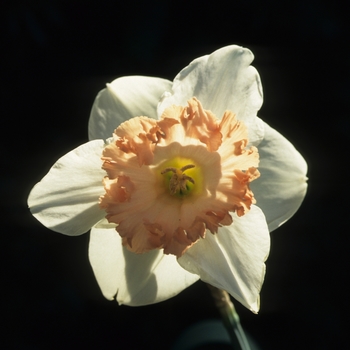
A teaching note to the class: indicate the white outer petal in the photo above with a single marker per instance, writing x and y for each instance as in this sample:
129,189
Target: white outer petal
66,199
222,81
134,279
281,188
233,259
125,98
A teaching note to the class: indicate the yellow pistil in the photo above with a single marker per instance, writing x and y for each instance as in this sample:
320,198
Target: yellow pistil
178,181
181,176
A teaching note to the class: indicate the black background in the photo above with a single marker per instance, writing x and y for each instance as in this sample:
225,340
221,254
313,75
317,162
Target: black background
56,56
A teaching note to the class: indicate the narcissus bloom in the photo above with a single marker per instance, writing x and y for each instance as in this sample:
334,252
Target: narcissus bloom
181,181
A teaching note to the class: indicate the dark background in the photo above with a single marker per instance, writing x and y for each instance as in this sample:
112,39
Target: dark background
56,55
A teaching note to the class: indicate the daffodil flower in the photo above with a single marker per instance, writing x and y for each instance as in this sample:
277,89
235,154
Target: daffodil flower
181,181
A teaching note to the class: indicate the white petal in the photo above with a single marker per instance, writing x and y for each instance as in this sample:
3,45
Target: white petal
134,279
233,259
281,188
66,199
125,98
222,81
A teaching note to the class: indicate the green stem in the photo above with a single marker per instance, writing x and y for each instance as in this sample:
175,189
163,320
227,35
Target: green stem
230,318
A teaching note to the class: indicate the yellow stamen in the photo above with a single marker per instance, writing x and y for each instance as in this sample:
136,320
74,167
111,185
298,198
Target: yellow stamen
178,181
182,177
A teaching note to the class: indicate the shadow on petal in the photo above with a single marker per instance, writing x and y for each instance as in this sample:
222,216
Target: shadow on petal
141,282
133,279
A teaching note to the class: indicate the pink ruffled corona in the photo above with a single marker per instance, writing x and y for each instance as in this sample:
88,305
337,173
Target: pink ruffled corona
170,180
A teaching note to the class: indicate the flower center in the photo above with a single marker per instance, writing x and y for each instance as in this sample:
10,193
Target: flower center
181,177
171,180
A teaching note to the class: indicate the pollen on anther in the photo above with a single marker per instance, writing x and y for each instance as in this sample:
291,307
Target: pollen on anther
177,182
